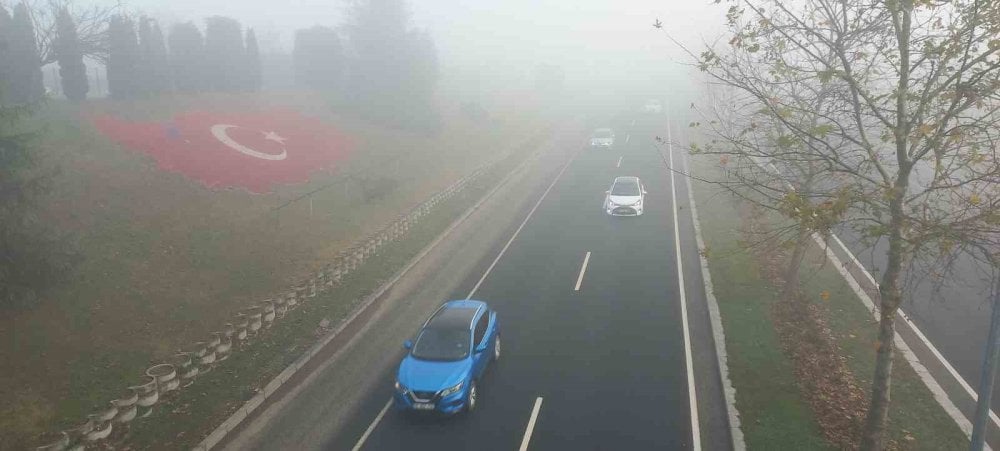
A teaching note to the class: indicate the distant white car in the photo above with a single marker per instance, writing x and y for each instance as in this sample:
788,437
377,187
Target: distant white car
653,106
603,138
625,198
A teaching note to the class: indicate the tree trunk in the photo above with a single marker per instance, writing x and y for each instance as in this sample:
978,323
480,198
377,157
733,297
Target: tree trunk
791,289
890,297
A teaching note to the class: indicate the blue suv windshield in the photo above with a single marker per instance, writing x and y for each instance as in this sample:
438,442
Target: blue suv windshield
442,344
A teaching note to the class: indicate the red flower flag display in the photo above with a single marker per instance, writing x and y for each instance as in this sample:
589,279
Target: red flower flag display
254,151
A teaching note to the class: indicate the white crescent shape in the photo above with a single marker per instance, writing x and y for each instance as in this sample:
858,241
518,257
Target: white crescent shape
219,131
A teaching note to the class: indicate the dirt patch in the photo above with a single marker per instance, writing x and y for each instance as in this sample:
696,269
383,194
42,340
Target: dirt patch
821,370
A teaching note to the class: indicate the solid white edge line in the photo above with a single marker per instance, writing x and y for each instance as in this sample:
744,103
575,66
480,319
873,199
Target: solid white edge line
688,360
371,427
619,161
531,424
735,427
583,270
916,331
925,375
939,394
419,257
518,231
381,414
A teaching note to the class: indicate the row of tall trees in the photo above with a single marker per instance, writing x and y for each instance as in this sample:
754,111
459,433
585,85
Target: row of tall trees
33,35
391,69
393,60
377,57
879,116
223,59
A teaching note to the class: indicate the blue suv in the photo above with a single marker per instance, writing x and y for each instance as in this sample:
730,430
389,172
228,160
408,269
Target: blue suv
453,348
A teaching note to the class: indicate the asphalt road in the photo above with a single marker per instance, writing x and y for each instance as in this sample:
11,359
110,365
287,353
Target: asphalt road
598,348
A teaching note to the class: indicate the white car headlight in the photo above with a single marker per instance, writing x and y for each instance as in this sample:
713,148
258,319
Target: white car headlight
452,390
400,387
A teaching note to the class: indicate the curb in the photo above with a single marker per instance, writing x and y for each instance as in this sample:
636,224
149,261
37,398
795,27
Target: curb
719,335
241,414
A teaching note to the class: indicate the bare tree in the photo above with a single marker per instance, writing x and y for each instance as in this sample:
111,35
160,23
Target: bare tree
91,27
897,104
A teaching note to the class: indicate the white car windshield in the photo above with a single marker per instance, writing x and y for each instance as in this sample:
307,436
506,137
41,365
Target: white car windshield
625,188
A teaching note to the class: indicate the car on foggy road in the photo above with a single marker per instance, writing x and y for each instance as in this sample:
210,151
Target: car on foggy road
625,198
449,356
603,138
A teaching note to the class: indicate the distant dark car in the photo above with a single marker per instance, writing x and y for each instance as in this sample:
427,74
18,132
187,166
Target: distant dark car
450,354
603,138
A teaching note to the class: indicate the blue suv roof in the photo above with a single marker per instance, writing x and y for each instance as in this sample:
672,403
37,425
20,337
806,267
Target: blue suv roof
456,314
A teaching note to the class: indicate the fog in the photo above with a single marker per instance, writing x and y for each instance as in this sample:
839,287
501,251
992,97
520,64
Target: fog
608,50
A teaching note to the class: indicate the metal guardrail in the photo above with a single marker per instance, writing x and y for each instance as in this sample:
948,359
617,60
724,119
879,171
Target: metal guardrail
166,379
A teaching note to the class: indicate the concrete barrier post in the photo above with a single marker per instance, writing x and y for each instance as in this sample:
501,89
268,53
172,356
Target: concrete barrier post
148,396
127,408
165,376
267,308
186,368
280,306
255,320
225,345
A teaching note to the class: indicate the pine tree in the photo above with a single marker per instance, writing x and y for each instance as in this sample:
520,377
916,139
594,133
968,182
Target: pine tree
5,55
318,59
159,61
145,81
34,258
123,58
25,68
225,54
187,58
253,62
72,71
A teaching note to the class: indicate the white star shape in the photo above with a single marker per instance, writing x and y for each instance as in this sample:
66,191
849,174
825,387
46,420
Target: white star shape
272,136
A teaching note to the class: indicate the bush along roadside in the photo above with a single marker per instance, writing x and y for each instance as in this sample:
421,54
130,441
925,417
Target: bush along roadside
199,385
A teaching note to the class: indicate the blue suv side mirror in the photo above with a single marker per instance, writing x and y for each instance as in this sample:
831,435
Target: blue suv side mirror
408,344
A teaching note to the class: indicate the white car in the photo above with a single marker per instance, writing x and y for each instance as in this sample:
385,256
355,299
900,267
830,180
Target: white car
625,198
603,138
653,106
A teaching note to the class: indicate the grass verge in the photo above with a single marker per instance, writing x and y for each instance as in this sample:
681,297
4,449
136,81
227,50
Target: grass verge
167,260
774,410
184,420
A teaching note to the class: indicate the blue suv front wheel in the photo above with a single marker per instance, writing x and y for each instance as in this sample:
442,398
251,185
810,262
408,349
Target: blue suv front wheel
470,404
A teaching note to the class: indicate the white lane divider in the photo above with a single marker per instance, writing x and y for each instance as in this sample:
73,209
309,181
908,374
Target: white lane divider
619,162
378,419
583,270
371,427
688,361
628,137
531,424
633,122
518,231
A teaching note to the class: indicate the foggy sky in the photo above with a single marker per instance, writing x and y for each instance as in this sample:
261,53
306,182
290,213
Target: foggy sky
601,44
